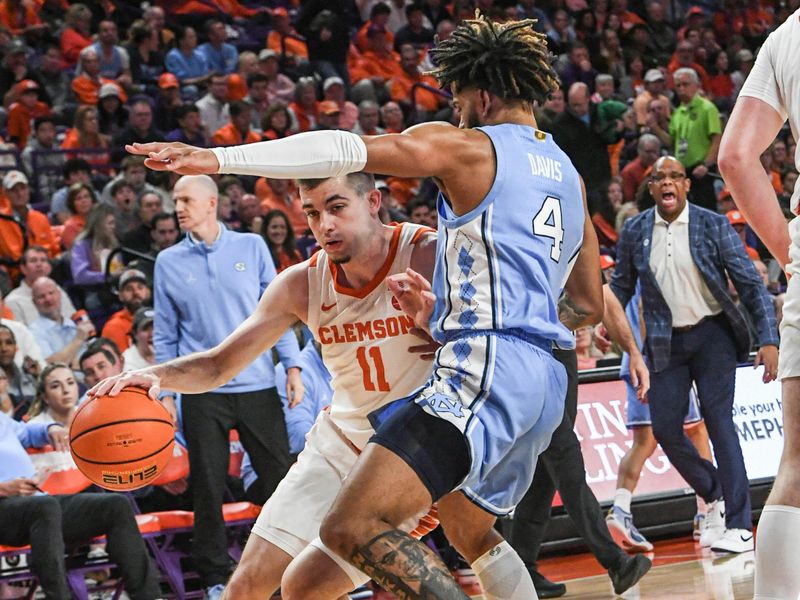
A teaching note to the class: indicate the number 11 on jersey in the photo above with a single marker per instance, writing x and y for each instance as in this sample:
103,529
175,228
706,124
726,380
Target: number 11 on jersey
374,353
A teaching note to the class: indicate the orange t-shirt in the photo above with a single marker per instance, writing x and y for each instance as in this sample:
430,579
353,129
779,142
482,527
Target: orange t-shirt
99,160
269,201
400,90
16,23
72,227
370,64
305,120
363,42
228,135
19,120
291,44
118,329
39,234
7,313
72,42
207,7
87,90
237,87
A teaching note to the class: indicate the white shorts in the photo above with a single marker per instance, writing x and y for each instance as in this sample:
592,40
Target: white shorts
789,356
292,516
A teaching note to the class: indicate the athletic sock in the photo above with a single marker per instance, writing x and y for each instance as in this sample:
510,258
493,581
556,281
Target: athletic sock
503,575
702,507
622,499
777,559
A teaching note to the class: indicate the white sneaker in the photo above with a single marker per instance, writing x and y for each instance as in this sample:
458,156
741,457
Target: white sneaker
715,524
734,541
698,525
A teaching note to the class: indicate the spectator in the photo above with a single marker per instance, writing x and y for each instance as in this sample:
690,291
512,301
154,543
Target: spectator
168,102
186,322
21,18
123,199
256,96
414,32
328,115
140,353
49,165
648,149
695,129
76,170
605,219
654,86
47,523
53,78
101,360
238,130
368,119
88,83
115,62
85,135
418,210
662,35
148,205
378,20
146,60
277,122
436,11
213,106
553,106
279,86
250,212
156,19
80,201
56,396
21,378
6,404
190,127
305,106
187,63
611,60
575,131
27,108
24,222
135,173
402,90
603,88
220,56
34,264
91,251
134,292
165,232
583,348
376,66
744,62
76,34
688,309
279,236
391,117
333,90
739,224
140,128
579,68
327,37
684,59
561,36
780,157
60,340
283,39
28,350
246,65
15,67
720,84
112,113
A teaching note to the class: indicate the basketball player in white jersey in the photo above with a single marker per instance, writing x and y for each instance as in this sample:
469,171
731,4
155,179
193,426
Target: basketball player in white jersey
342,295
770,96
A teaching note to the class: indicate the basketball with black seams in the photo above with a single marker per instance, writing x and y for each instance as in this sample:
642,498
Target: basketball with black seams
122,442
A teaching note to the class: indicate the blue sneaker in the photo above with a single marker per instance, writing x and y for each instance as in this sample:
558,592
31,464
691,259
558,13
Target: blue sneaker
214,592
620,526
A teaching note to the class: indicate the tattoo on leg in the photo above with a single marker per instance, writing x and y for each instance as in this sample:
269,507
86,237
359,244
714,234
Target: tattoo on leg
406,567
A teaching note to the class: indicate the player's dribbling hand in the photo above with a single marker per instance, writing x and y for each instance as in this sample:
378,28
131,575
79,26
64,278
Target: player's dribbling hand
114,385
58,438
414,294
176,156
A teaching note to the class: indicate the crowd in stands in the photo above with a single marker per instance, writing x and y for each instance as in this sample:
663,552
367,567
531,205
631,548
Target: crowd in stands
81,221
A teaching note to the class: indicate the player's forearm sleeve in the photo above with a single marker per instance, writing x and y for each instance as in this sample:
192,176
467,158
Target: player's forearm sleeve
312,155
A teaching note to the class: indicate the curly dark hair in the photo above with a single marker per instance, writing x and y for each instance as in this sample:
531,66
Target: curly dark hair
510,59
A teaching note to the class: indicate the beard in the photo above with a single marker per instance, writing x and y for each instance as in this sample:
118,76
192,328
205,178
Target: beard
341,260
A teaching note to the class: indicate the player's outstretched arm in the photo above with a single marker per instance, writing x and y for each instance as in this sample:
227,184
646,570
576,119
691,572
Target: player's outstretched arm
582,305
751,128
284,302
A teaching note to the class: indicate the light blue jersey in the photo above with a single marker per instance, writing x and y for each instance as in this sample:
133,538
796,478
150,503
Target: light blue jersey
503,265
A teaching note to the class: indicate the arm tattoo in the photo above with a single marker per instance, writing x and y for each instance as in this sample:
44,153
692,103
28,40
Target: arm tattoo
406,567
571,314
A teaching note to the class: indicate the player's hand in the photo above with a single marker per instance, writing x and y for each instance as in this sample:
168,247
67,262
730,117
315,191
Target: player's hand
114,385
58,438
176,156
414,294
426,351
601,340
295,390
640,376
168,402
767,356
21,486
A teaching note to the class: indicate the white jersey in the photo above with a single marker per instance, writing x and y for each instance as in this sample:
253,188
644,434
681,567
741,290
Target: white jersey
365,337
775,79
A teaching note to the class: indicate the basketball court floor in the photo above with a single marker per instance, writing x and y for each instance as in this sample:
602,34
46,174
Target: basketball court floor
681,571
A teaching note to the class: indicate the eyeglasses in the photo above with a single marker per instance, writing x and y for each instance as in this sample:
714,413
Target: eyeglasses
674,176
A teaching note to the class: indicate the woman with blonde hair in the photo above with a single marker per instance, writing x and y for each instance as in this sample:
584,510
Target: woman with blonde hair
56,396
85,135
90,256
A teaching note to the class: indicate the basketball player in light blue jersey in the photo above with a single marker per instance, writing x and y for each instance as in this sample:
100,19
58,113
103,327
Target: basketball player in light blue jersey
513,226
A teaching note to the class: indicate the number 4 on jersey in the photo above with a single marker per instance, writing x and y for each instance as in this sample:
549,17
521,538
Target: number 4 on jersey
547,223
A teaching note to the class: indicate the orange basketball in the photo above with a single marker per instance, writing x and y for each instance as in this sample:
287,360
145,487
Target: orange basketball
122,442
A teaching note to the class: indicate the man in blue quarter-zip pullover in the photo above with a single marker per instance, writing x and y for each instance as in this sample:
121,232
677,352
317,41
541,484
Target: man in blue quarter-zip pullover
29,517
205,286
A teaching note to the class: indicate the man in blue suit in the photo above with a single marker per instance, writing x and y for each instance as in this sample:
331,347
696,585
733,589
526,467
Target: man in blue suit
683,255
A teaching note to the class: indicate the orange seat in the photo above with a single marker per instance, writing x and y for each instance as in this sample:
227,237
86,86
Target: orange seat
240,511
148,524
14,549
174,519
